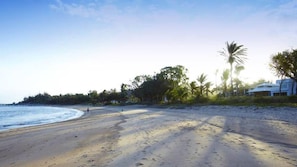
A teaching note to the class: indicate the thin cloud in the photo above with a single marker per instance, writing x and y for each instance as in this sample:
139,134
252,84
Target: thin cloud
107,12
287,11
117,12
279,19
282,17
75,9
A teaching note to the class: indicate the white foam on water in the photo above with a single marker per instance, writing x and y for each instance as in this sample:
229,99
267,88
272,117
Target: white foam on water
23,116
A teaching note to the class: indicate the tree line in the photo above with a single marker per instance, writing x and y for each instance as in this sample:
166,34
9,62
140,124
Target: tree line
172,85
93,97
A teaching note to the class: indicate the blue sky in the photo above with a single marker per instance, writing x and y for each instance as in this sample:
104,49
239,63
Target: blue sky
66,46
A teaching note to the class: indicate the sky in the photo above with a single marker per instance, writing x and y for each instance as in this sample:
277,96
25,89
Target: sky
74,46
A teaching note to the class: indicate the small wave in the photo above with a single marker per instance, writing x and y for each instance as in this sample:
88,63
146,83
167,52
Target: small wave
24,116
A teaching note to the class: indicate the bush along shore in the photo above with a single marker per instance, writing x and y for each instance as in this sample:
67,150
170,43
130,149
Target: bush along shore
117,98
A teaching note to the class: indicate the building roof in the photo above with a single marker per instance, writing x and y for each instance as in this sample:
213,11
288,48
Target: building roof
265,87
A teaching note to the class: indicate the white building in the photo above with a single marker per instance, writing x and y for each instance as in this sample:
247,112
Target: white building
284,87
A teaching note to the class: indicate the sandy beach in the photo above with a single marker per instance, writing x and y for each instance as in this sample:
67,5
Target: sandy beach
137,136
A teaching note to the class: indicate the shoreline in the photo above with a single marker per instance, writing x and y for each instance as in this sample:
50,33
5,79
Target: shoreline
142,136
66,143
39,120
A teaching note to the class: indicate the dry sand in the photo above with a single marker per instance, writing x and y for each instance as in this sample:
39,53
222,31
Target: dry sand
138,136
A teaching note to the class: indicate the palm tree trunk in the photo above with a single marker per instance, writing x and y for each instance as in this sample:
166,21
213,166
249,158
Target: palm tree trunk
231,78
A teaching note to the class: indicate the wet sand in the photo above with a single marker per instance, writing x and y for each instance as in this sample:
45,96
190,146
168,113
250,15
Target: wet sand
140,136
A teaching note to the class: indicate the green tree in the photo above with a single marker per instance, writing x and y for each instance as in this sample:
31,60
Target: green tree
177,75
124,94
234,53
207,88
138,86
225,78
175,80
170,83
103,97
140,79
193,88
203,85
178,94
237,82
94,97
285,64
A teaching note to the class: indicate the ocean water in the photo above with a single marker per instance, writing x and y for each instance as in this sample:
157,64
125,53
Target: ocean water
23,116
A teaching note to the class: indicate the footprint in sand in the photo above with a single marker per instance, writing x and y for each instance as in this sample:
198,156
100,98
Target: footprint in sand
139,164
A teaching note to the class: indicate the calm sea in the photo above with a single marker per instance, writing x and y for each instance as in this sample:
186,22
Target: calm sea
23,116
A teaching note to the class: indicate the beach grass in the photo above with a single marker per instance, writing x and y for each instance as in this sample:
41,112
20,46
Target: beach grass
290,101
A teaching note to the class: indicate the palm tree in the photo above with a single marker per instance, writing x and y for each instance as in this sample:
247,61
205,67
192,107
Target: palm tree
207,88
203,85
224,78
193,87
238,82
201,81
234,53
